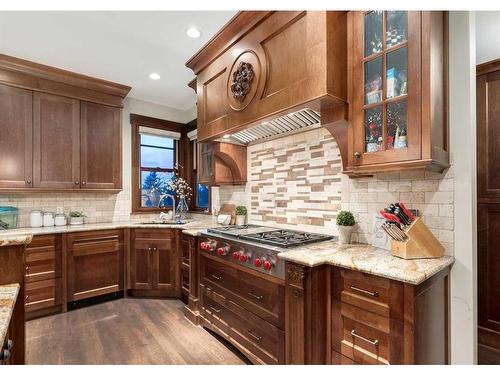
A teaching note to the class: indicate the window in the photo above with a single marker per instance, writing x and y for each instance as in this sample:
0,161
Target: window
201,191
155,156
157,160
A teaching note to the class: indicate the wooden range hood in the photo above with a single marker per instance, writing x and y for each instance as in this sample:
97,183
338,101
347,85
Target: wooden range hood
265,64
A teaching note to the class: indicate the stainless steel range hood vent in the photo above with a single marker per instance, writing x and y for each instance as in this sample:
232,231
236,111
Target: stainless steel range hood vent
291,123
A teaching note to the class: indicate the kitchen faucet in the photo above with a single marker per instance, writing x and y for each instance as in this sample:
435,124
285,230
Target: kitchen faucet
163,196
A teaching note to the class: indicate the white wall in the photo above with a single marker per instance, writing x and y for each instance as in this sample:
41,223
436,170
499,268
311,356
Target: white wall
487,31
462,102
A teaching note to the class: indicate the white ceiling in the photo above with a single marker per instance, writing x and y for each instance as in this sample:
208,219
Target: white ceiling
487,32
124,47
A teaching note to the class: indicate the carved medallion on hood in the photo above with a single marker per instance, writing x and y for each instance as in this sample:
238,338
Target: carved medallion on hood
243,80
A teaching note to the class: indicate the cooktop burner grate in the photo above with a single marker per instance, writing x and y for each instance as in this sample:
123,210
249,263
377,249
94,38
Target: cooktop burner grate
285,238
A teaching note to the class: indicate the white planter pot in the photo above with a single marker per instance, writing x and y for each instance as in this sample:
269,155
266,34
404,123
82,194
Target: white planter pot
240,219
344,234
76,220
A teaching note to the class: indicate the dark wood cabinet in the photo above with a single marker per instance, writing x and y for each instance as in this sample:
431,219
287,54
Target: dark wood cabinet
206,162
307,314
397,90
56,142
488,210
12,268
94,263
100,130
16,128
222,163
57,127
488,226
155,262
43,276
368,319
191,263
245,307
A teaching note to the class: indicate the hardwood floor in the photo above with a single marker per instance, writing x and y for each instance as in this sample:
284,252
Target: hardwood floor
125,331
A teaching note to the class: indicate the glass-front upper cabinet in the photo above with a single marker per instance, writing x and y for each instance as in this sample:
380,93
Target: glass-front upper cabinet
385,80
397,69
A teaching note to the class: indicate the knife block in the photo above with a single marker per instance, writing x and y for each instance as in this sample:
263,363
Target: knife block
421,243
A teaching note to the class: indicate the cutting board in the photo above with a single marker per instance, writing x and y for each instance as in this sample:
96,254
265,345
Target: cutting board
229,209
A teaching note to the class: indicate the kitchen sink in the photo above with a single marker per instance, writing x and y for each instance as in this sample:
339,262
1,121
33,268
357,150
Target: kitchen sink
167,222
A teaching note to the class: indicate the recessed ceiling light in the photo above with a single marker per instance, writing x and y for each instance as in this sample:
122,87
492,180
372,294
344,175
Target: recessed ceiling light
154,76
226,136
193,32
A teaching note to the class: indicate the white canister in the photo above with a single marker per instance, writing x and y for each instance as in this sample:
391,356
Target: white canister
36,219
60,220
48,219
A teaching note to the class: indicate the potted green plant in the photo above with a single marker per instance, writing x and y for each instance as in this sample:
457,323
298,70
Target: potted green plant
241,214
345,224
76,217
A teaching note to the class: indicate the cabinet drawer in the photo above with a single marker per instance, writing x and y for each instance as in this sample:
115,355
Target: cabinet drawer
370,293
42,294
154,235
43,259
261,338
364,344
257,294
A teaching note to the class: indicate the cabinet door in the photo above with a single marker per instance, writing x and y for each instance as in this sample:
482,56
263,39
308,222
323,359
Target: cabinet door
488,256
56,146
94,263
206,161
100,146
165,267
385,48
16,140
141,264
488,137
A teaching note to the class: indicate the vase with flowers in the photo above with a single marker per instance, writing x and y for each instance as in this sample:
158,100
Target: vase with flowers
183,191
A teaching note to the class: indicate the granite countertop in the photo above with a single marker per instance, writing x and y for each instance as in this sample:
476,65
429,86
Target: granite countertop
359,257
21,236
8,297
368,259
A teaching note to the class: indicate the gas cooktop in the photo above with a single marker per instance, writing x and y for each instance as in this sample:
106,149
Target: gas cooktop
270,236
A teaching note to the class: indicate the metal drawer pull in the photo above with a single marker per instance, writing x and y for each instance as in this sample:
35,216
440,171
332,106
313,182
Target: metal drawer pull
354,334
373,294
214,309
258,338
258,298
216,277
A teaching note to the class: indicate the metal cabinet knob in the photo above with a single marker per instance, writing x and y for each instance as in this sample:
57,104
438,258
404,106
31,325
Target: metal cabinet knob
77,182
10,344
28,182
149,249
357,155
83,182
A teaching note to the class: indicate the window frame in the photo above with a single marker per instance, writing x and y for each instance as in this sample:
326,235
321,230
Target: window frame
195,207
137,121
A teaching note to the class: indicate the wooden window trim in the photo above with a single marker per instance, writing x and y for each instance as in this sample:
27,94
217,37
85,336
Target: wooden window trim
135,122
195,208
